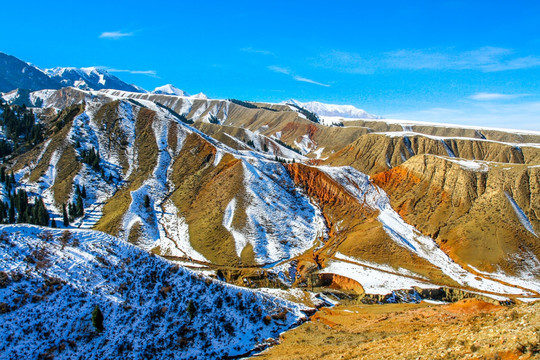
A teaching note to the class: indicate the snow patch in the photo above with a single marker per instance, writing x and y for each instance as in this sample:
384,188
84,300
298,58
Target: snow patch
523,219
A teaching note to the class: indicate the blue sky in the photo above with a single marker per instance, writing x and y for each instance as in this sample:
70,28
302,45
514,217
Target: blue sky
447,61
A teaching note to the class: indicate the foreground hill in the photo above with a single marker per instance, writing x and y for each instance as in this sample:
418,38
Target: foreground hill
51,281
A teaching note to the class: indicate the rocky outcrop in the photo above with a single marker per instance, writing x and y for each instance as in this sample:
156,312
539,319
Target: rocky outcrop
353,228
482,214
373,153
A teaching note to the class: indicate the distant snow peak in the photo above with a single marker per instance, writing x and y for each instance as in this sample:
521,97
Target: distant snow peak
169,90
200,96
344,111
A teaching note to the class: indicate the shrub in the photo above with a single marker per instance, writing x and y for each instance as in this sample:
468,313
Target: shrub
65,238
191,309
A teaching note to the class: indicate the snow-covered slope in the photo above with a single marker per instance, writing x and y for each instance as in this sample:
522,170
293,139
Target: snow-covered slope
343,111
50,282
169,90
273,208
15,73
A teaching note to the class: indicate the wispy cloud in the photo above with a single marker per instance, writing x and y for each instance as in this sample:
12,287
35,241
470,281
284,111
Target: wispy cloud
482,114
346,62
286,71
279,69
257,51
151,73
303,79
115,35
483,96
484,59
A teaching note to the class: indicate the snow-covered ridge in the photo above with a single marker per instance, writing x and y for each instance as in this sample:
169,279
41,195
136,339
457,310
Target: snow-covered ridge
343,111
89,78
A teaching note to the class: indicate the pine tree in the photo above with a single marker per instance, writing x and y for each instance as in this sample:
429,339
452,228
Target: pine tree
3,174
65,215
42,216
191,309
53,223
71,212
146,201
79,206
97,319
83,192
11,214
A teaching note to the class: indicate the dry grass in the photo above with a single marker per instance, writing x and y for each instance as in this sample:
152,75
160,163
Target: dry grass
67,167
147,152
469,329
202,192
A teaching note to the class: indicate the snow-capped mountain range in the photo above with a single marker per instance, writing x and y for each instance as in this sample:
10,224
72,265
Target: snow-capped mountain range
89,78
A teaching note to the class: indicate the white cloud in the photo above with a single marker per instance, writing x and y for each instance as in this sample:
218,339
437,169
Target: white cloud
151,73
279,69
483,96
484,59
346,62
303,79
286,71
525,116
115,35
258,51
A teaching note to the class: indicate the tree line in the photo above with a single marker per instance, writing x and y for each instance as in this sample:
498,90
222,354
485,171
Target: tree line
20,128
20,207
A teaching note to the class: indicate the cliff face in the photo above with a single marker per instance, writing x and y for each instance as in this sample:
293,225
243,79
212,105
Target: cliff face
354,228
374,153
480,213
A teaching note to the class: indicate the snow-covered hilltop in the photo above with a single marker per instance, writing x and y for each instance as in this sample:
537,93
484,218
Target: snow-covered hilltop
344,111
169,90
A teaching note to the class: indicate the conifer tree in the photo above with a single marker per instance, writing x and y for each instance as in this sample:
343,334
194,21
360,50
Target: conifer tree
65,215
11,214
79,206
146,201
191,309
97,319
